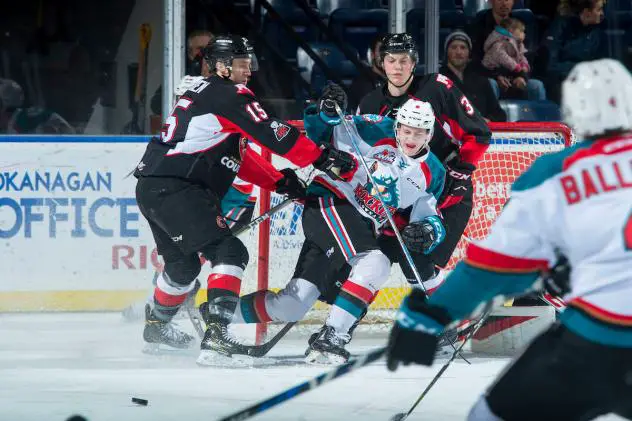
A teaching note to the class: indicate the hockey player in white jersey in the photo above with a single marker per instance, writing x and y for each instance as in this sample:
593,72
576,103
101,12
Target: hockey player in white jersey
342,223
577,202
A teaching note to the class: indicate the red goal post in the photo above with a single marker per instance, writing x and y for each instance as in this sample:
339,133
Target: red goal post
513,148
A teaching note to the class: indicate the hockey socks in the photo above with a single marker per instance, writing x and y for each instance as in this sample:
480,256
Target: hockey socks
351,303
224,285
169,296
252,308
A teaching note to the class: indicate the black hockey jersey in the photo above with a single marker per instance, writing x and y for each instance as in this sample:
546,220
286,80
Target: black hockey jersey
203,140
460,130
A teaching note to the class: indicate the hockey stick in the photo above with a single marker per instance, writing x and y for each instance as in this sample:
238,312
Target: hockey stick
259,351
403,415
409,259
299,389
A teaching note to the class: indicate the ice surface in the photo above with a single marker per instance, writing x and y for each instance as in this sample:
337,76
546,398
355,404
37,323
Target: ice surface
56,365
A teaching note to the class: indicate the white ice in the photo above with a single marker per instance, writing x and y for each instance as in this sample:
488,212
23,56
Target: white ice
56,365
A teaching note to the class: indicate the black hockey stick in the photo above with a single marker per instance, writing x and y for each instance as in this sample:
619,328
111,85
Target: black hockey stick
299,389
403,415
259,351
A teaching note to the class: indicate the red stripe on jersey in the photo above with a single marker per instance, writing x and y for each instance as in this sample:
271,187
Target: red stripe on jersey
243,188
319,180
168,300
386,141
358,291
427,173
601,314
470,151
222,281
606,146
497,262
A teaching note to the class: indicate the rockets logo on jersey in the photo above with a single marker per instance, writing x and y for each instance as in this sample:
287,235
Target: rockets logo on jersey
367,196
280,130
385,155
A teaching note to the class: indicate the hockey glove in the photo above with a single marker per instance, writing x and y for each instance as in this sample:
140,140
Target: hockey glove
332,94
338,165
458,183
424,236
415,334
557,281
290,185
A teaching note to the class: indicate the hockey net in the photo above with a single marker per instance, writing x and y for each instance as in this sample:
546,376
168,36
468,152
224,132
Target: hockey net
275,244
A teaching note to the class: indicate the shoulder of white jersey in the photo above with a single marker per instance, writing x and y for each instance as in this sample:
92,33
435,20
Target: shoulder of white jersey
374,128
434,171
545,167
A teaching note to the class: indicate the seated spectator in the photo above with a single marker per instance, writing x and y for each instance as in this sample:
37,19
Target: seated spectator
362,84
195,65
574,36
475,86
14,119
505,59
484,24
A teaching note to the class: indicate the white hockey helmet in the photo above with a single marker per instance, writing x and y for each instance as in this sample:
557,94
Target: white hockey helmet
597,98
416,114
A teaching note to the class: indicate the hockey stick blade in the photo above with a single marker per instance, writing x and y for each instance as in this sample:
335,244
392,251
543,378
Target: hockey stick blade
259,351
299,389
403,415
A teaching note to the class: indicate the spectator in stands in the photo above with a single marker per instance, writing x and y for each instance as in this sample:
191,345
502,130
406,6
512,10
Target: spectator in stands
484,24
195,65
15,119
505,56
475,86
574,36
362,84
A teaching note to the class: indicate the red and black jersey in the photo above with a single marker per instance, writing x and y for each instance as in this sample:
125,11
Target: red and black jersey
203,140
460,130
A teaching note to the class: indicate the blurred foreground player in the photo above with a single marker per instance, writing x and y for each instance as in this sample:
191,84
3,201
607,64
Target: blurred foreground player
186,172
578,202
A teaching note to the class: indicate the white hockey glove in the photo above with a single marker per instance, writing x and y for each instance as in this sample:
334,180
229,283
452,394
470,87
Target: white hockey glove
187,83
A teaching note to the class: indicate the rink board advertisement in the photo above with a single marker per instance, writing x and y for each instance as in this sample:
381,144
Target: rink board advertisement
72,237
71,233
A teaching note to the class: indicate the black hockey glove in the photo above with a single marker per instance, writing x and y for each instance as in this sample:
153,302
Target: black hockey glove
290,185
415,333
339,165
424,236
332,94
557,282
458,183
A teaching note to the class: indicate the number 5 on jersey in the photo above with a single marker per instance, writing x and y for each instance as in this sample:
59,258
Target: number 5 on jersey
171,123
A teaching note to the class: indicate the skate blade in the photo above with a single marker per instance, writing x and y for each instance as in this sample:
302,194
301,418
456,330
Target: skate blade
322,358
209,358
163,349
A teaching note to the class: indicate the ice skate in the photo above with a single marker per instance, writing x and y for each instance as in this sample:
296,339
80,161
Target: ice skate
163,335
219,347
327,347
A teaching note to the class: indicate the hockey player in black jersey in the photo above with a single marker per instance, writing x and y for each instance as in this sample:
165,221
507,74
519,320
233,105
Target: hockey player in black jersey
185,173
461,135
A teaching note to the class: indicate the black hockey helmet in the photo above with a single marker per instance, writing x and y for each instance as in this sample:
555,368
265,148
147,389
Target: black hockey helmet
225,48
399,43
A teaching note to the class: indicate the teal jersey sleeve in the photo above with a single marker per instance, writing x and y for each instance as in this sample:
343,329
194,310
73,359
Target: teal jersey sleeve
234,199
373,128
437,174
315,128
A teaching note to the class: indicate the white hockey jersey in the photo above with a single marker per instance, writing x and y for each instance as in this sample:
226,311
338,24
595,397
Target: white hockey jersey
403,182
577,202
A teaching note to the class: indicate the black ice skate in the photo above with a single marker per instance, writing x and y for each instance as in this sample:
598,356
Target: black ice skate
158,334
219,346
353,327
328,347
